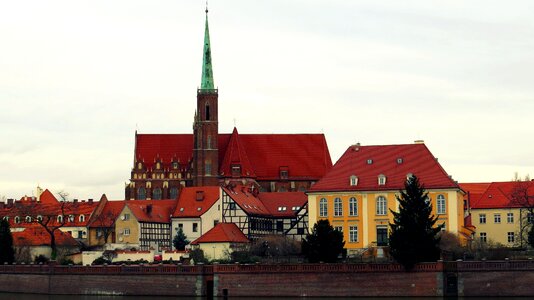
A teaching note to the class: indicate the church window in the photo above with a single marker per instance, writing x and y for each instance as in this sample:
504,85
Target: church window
156,194
208,167
208,146
207,112
175,165
323,208
153,176
139,166
174,193
158,166
141,193
144,176
135,176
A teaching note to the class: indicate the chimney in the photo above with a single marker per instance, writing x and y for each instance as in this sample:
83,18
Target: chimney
2,205
75,200
90,200
149,209
200,195
419,142
9,202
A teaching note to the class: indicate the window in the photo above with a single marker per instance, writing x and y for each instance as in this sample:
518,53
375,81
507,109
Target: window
175,165
483,237
323,208
156,194
369,161
71,218
353,180
39,218
530,218
60,219
180,226
338,207
126,231
511,237
482,219
141,193
195,227
284,172
381,235
497,218
381,206
510,217
174,193
353,234
207,112
381,179
353,207
399,160
338,228
208,167
126,217
231,206
209,142
441,205
279,226
82,218
236,171
28,219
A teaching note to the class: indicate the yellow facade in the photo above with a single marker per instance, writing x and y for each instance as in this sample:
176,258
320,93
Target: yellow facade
369,222
498,225
127,228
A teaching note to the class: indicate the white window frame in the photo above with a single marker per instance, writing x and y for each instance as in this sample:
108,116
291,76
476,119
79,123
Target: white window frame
353,206
126,231
483,237
353,180
353,234
441,206
381,179
381,206
482,219
339,228
510,218
338,207
323,207
497,218
511,237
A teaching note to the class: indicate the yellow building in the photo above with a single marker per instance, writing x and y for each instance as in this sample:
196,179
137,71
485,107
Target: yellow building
497,215
356,196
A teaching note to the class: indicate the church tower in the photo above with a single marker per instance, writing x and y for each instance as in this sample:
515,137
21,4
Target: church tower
206,123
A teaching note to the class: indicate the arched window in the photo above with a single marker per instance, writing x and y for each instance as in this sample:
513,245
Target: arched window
174,193
139,166
441,204
338,207
17,219
141,193
207,112
323,208
82,218
60,219
71,218
39,218
381,206
353,207
28,219
156,194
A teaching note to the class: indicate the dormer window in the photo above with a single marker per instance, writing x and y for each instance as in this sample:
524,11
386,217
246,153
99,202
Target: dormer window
82,218
381,179
71,218
60,219
399,160
284,172
236,170
409,176
353,180
175,165
28,219
369,161
17,219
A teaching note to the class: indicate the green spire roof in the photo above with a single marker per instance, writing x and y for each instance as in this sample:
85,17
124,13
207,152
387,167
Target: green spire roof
207,71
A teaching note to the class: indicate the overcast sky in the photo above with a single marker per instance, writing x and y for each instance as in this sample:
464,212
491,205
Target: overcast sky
78,77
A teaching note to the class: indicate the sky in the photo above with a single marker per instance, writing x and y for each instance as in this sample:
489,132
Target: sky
78,78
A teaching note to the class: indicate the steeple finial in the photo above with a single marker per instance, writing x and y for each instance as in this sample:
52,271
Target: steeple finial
207,71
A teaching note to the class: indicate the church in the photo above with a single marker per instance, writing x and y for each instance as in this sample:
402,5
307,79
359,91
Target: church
166,163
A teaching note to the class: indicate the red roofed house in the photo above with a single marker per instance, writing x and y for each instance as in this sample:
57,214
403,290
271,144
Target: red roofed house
101,226
501,211
145,225
221,240
258,214
32,241
358,192
165,163
197,211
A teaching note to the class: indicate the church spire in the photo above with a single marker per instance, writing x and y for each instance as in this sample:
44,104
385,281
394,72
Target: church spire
207,71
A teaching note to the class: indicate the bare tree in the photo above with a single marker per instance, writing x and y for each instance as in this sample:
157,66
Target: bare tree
522,196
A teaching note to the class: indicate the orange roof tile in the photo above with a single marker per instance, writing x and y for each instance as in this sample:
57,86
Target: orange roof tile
108,215
37,236
189,205
393,161
236,154
222,233
152,211
499,195
247,201
284,204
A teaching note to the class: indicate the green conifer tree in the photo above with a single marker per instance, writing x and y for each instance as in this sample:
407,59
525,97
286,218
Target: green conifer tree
323,244
413,235
180,240
7,253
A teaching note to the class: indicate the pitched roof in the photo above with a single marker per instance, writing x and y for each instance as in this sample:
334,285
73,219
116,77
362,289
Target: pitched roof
152,211
499,194
395,162
36,236
305,155
473,191
283,204
195,201
108,215
236,154
222,233
247,200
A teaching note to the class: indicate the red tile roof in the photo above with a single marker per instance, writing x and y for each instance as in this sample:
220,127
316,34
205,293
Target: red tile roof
305,155
498,194
283,204
393,161
36,236
236,154
152,211
247,201
222,233
188,204
473,191
108,215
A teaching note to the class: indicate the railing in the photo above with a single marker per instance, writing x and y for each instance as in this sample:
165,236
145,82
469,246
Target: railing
457,266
